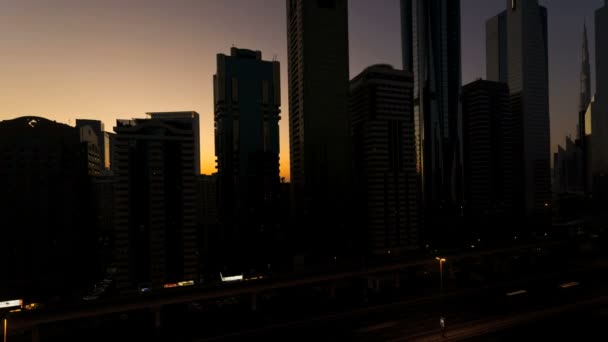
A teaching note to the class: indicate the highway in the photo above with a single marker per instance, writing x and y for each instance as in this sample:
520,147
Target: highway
469,313
161,298
288,312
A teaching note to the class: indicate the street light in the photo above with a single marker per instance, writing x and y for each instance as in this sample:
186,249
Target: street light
441,261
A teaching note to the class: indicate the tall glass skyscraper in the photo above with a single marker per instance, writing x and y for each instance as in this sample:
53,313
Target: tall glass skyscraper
599,136
517,54
431,51
319,131
600,111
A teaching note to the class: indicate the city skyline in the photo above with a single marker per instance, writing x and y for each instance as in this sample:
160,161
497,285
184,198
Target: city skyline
301,169
109,56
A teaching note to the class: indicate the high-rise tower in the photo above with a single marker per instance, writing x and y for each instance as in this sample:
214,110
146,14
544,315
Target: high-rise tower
431,51
320,153
517,54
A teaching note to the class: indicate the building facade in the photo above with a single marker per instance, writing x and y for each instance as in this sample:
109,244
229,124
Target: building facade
431,51
209,224
568,168
381,107
319,132
517,53
48,240
584,103
155,218
247,93
600,110
488,154
103,139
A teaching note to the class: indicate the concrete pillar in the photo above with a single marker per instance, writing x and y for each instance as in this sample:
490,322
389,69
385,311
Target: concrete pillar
36,334
254,302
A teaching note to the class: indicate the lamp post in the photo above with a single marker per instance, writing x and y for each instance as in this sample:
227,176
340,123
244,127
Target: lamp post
441,261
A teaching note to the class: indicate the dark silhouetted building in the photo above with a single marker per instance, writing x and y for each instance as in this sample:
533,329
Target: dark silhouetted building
431,51
600,110
103,191
381,107
190,118
589,146
210,256
247,93
568,168
103,139
585,86
488,155
48,241
517,54
584,103
570,163
319,133
155,203
90,139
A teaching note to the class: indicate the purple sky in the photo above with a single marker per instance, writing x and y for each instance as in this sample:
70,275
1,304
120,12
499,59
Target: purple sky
67,59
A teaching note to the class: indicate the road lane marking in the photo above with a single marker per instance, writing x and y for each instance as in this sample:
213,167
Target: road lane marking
515,293
567,285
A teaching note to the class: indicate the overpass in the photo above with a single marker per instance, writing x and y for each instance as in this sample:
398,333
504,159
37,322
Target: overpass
154,301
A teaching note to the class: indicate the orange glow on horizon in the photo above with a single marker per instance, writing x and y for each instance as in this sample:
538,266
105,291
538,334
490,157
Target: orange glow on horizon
208,167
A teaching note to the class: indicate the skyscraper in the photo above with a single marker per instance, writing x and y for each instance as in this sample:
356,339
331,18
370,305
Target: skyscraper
599,137
381,107
517,54
601,51
487,153
208,222
585,86
431,51
48,239
600,110
190,119
103,139
317,41
247,93
568,168
155,217
584,103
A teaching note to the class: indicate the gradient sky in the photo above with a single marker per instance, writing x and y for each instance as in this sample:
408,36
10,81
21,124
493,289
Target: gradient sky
68,59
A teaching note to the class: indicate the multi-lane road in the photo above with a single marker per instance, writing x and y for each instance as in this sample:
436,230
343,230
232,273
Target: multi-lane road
469,314
289,313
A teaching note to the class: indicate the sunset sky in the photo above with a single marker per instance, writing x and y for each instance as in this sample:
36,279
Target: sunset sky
68,59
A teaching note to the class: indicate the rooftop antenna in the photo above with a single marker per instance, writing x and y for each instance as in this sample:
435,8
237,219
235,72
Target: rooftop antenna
274,57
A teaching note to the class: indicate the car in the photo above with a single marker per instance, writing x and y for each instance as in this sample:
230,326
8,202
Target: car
144,290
